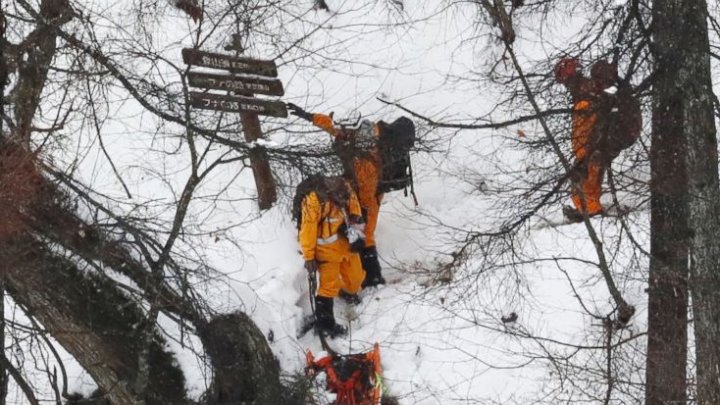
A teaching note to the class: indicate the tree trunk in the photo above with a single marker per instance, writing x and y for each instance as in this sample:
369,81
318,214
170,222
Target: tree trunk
245,368
667,290
704,216
4,375
33,72
89,316
3,82
682,52
55,221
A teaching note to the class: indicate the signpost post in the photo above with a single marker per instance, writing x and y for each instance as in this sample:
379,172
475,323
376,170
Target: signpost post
247,77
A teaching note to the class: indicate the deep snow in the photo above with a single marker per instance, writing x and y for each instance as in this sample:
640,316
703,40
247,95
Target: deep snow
441,343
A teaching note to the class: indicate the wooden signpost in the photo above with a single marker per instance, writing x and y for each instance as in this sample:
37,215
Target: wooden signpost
235,64
247,77
243,84
241,104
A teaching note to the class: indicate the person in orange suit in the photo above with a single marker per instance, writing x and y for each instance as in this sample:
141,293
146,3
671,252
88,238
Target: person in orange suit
358,150
330,221
589,132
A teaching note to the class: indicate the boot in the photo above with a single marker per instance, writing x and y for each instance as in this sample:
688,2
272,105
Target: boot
350,299
325,319
371,265
572,215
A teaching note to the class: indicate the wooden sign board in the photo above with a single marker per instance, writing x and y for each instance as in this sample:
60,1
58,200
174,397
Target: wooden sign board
237,64
219,102
248,107
240,84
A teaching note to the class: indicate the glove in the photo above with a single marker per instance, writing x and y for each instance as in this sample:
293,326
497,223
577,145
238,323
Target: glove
356,237
311,266
354,233
359,229
356,220
299,112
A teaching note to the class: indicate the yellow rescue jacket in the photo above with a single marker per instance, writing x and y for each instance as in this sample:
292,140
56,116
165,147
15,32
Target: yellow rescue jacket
320,224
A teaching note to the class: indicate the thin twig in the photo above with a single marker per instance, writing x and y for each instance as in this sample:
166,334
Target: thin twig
100,139
491,125
19,379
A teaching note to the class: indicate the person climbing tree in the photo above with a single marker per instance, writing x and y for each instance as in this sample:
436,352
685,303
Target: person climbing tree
606,119
357,148
330,227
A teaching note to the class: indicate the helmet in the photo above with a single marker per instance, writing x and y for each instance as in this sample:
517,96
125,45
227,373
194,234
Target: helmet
336,189
604,73
351,121
365,134
365,128
565,69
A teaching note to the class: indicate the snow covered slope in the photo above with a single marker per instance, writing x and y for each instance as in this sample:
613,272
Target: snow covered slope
440,328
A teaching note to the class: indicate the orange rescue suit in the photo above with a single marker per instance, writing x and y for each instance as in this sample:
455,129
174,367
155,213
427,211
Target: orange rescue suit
367,171
320,240
584,121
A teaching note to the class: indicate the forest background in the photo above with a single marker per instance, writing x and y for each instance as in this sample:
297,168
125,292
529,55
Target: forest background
135,258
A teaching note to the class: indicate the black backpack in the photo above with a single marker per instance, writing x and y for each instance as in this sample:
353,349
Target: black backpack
619,122
626,117
395,141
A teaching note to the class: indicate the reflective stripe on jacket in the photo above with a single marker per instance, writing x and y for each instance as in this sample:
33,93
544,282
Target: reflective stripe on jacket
318,236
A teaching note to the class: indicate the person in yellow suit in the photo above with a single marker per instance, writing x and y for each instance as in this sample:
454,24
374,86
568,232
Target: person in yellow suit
330,228
358,150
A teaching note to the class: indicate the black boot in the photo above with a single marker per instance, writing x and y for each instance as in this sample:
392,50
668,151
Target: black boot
325,320
351,299
371,265
572,215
